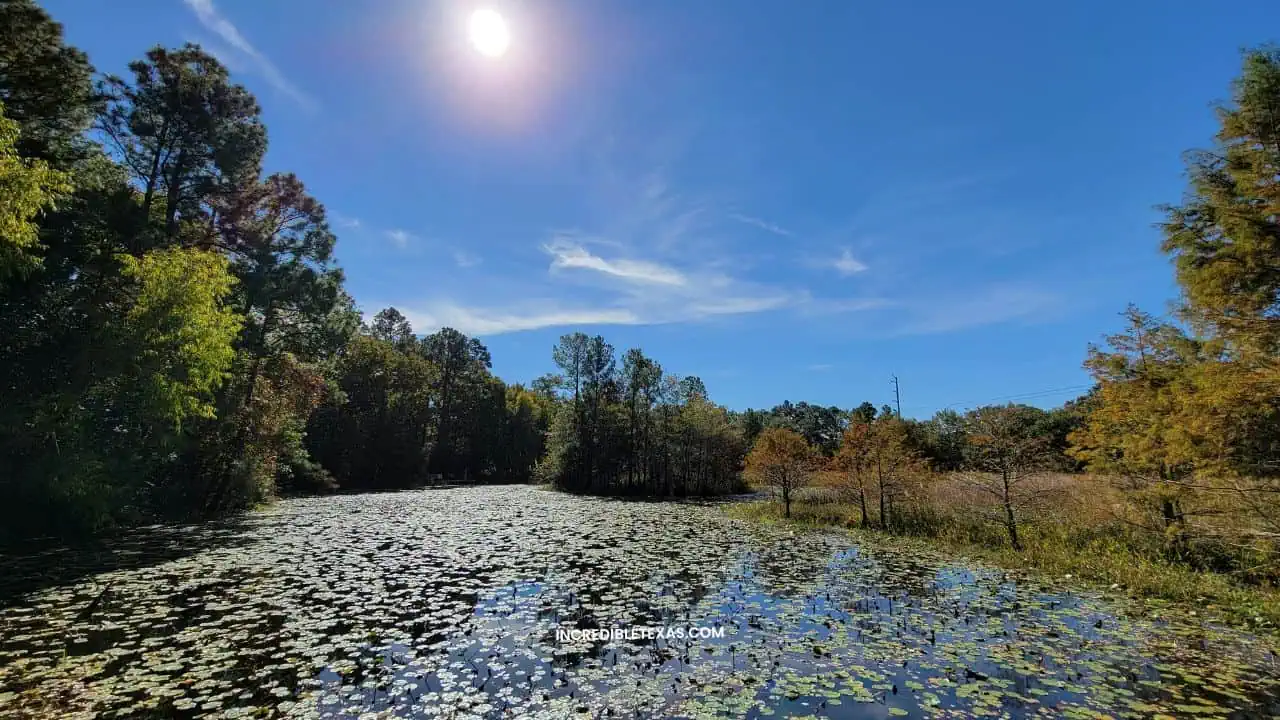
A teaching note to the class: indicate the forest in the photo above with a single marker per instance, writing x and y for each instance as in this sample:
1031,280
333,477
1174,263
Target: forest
176,343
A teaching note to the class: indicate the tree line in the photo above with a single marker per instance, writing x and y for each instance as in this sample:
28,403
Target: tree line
175,336
882,461
939,440
634,429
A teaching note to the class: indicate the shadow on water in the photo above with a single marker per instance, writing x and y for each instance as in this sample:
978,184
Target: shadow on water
423,603
34,567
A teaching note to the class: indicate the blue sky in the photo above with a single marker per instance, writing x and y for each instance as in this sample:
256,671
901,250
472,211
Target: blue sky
793,200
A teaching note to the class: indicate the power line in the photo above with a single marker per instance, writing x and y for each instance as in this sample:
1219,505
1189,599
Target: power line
1030,395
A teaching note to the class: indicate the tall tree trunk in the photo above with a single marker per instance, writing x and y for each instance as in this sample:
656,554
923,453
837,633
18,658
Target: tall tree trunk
884,517
173,197
153,180
862,504
1010,521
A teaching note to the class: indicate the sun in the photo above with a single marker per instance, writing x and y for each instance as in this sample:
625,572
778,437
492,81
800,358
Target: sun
489,33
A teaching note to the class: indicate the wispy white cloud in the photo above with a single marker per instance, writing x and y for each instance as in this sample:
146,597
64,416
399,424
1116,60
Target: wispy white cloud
847,264
210,18
350,223
762,224
497,321
834,306
400,238
819,367
465,259
566,254
992,305
740,305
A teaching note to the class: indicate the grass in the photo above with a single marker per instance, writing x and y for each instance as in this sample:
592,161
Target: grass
1080,531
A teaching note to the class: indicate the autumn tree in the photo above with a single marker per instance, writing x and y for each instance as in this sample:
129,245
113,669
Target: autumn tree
856,461
1189,412
1004,454
894,462
781,460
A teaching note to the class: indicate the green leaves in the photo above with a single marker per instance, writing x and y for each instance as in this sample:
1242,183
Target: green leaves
179,330
27,188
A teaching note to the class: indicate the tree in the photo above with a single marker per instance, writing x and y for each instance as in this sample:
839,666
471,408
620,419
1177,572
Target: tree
856,460
180,331
295,315
1140,428
1005,453
866,412
782,460
390,325
942,440
751,423
570,355
462,362
893,461
184,131
1225,236
1187,414
45,86
27,187
640,376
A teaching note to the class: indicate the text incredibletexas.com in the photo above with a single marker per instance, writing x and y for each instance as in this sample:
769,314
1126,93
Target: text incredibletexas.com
643,632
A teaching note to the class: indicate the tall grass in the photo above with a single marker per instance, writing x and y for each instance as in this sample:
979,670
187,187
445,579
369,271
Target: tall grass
1083,526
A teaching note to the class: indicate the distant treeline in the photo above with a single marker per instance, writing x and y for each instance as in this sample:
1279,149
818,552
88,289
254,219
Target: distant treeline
940,440
635,429
175,337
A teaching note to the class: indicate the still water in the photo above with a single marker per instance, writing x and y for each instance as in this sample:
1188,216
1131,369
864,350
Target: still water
447,603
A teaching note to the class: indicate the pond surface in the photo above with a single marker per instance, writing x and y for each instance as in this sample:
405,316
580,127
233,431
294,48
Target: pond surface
446,603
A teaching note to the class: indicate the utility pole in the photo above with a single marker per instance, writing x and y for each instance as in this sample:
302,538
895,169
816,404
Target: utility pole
897,399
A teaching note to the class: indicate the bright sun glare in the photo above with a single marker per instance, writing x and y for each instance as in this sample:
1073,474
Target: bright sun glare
489,33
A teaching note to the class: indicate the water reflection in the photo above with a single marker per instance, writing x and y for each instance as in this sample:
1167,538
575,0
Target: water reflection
423,604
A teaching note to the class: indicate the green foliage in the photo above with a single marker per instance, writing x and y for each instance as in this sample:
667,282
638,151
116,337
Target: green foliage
27,187
179,330
184,131
396,421
45,85
636,431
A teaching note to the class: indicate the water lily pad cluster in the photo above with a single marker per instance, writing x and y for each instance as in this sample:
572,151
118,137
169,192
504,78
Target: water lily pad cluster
446,603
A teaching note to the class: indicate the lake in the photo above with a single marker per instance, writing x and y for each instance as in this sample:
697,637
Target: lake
447,602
